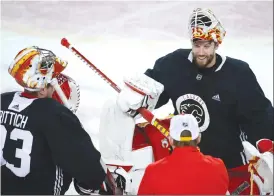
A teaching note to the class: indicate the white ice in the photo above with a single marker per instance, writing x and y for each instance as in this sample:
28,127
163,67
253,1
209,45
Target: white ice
124,37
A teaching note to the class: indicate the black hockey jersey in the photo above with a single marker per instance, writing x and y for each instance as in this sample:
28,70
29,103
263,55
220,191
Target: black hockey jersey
43,147
226,100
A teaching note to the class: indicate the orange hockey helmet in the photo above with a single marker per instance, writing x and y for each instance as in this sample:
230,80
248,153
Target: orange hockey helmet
33,67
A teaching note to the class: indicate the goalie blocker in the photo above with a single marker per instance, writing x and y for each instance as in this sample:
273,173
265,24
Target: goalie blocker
140,91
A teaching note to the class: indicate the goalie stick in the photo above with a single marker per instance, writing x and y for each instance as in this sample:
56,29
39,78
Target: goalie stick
110,179
143,111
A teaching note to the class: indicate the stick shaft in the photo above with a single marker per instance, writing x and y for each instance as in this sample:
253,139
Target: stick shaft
143,111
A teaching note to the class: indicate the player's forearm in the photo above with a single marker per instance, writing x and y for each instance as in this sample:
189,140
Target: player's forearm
260,125
264,129
90,170
254,110
77,156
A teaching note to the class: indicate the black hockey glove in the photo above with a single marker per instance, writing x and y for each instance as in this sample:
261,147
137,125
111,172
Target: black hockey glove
121,182
83,189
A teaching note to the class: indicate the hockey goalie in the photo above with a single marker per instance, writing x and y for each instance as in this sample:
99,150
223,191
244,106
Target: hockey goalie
128,148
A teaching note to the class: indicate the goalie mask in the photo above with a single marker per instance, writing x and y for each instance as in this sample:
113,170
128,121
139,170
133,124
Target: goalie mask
33,68
204,25
71,90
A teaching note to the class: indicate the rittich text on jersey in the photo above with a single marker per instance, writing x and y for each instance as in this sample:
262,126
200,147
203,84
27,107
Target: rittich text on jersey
13,119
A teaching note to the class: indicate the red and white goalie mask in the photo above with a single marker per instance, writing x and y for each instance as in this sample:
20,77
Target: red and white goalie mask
70,89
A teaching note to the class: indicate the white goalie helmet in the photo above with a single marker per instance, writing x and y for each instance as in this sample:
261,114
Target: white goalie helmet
204,25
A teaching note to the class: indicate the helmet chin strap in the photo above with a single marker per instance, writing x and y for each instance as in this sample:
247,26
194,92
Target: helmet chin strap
61,94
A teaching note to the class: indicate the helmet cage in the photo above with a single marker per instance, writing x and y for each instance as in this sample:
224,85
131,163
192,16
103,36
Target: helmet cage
47,58
204,25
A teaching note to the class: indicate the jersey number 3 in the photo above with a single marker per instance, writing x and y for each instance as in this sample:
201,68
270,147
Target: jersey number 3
23,153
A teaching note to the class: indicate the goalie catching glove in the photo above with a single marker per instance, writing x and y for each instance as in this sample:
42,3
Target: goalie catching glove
140,91
261,163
